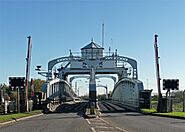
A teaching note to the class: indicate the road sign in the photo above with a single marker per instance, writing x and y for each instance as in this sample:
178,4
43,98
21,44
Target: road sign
172,84
17,82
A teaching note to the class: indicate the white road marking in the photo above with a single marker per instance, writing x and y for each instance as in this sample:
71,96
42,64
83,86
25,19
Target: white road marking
88,121
105,127
121,129
104,120
93,129
105,131
102,124
98,123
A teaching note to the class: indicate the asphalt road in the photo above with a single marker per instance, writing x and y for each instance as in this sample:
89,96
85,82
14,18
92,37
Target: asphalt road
136,122
69,118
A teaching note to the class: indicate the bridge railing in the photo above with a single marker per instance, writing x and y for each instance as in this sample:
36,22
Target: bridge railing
79,54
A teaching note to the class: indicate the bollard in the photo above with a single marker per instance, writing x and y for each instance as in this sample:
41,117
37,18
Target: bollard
6,107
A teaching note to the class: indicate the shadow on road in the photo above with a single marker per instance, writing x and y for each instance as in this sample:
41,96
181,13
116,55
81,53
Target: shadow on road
78,108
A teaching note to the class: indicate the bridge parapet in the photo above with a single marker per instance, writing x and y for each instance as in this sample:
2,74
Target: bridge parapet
127,92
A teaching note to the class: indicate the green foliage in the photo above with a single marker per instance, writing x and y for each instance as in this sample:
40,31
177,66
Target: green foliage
174,114
13,95
178,95
148,110
8,93
6,88
38,84
154,98
177,101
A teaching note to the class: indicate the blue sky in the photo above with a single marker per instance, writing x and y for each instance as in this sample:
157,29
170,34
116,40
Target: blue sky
59,25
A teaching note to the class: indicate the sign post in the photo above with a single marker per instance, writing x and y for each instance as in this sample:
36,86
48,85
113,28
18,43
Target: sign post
170,84
17,83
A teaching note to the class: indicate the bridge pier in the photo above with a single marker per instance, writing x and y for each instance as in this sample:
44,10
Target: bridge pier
92,90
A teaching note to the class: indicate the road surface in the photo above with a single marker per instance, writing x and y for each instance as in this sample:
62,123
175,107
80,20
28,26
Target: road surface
69,118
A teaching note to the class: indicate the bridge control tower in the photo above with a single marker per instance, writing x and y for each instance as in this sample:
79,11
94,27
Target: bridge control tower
92,53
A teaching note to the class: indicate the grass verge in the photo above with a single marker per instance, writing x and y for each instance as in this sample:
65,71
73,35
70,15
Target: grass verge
9,117
170,114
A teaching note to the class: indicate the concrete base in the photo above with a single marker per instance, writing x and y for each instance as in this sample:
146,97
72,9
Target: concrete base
92,112
164,105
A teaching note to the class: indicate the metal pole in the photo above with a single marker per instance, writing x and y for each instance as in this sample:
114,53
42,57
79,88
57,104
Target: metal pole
18,100
157,66
76,91
170,102
102,35
184,101
106,92
159,106
28,60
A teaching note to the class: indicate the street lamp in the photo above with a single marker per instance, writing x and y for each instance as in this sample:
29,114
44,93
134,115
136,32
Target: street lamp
41,71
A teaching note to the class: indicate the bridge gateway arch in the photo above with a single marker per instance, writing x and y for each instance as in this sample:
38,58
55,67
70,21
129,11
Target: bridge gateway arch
94,63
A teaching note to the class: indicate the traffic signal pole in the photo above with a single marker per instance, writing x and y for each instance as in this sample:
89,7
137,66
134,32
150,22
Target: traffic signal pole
157,74
28,61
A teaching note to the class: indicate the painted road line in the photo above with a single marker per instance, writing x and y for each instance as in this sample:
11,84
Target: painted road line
93,129
88,121
99,123
105,127
121,129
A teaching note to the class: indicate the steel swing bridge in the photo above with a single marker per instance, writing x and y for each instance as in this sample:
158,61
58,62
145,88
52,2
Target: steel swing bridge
94,63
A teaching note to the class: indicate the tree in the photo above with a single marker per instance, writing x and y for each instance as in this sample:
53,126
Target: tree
38,84
8,93
6,88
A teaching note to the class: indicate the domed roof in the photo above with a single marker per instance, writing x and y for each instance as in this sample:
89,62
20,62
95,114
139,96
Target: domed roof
92,45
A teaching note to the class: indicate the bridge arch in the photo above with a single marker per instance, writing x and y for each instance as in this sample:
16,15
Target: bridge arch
116,58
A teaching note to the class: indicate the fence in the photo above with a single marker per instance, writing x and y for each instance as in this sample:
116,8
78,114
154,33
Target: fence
178,98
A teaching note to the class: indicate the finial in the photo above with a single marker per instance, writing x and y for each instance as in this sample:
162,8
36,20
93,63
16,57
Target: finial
70,53
156,35
92,39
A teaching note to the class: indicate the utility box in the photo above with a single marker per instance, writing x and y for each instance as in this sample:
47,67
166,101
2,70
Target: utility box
145,99
12,106
165,105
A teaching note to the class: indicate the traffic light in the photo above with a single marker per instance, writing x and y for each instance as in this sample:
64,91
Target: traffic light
17,82
172,84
